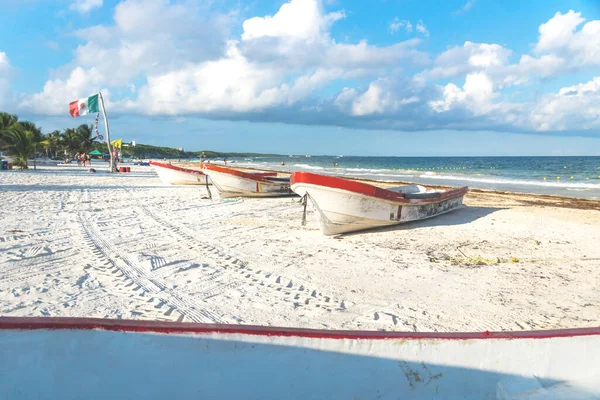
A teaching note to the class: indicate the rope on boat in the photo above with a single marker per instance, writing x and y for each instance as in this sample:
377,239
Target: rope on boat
304,201
207,188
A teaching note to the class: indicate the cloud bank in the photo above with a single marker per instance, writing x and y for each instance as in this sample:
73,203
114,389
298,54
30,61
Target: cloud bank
162,58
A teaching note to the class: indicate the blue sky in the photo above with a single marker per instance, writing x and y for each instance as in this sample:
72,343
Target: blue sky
464,77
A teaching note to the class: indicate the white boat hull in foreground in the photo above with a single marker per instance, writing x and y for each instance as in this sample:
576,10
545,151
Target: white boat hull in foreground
231,182
70,358
174,175
343,205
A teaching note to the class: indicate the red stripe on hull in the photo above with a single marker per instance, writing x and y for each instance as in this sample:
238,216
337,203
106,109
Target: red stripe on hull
175,168
253,176
35,323
369,190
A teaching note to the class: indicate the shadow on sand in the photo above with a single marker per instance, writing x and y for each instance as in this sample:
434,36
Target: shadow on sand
461,216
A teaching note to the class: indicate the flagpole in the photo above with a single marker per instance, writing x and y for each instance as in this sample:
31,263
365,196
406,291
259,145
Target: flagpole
112,161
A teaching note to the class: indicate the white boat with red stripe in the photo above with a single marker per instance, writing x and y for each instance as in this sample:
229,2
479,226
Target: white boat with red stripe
343,205
72,358
231,182
174,175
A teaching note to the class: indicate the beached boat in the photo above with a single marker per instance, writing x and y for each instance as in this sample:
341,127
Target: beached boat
174,175
232,182
71,358
343,205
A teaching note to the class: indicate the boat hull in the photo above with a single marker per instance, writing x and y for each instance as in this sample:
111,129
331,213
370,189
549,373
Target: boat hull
173,175
342,210
93,358
233,183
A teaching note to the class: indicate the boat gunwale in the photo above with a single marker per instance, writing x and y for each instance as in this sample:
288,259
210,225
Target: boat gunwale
176,168
258,177
121,325
372,191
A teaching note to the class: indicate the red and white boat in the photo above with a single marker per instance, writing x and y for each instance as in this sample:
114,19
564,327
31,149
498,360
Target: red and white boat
232,182
71,358
174,175
343,205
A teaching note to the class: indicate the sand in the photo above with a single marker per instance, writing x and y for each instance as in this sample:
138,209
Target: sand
73,243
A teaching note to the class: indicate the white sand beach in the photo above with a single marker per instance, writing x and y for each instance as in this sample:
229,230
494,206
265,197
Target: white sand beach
73,243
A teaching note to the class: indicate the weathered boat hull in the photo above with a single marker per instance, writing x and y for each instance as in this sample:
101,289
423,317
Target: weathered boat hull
343,206
174,175
84,358
234,183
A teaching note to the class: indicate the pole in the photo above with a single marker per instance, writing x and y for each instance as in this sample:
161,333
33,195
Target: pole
112,161
34,157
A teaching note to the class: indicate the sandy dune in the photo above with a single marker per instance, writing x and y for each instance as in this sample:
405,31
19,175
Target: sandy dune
125,246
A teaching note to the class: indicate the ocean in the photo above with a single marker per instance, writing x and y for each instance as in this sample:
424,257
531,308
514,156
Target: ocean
564,176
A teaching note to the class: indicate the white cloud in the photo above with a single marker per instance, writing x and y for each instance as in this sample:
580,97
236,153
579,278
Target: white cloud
396,24
573,107
421,28
462,60
184,58
476,95
558,31
375,100
279,61
298,19
54,99
85,6
468,5
383,96
560,37
7,73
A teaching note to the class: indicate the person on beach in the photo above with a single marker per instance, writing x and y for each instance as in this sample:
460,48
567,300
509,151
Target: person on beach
78,158
86,160
115,157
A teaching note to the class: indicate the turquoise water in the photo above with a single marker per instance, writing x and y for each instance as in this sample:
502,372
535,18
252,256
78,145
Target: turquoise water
564,176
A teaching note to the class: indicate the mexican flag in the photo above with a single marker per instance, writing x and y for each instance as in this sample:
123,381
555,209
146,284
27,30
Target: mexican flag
84,106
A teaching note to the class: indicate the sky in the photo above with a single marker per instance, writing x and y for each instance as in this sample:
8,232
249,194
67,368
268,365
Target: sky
383,77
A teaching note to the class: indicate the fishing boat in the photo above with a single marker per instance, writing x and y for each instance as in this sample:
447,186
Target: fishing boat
343,205
231,182
174,175
80,358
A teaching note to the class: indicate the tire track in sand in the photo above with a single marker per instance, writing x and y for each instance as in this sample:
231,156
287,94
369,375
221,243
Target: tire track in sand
154,286
230,268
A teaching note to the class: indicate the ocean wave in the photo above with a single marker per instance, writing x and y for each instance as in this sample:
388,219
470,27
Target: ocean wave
306,166
396,176
505,181
367,170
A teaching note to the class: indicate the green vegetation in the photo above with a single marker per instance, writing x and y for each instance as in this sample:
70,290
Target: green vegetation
149,151
23,138
213,154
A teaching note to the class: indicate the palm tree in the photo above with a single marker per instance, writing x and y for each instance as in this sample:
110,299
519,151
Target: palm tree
86,137
30,126
20,142
70,140
52,142
6,122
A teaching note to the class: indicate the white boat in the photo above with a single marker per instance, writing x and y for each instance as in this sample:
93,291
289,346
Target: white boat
72,358
232,182
343,205
174,175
